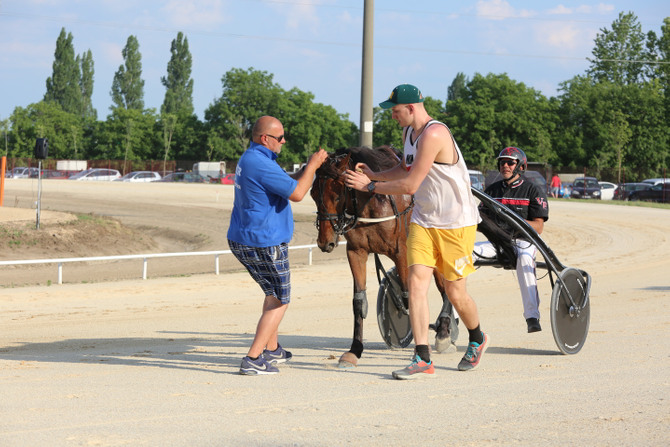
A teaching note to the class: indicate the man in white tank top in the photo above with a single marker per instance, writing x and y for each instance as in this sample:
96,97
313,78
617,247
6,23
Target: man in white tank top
443,226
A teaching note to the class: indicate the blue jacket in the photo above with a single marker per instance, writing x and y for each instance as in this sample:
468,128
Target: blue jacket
262,215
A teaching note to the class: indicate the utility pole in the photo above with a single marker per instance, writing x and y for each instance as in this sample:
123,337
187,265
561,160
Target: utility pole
366,75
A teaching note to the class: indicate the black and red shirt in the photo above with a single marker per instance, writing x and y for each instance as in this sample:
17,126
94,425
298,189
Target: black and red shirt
522,197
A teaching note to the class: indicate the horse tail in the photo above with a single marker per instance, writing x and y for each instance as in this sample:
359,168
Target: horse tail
501,240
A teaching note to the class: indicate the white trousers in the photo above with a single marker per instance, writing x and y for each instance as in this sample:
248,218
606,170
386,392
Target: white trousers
525,272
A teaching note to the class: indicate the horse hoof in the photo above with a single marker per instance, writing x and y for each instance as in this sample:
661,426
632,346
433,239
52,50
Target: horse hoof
444,345
348,360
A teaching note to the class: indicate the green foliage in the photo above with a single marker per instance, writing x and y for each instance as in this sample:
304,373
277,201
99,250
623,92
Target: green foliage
64,85
128,86
178,83
458,87
494,112
45,120
386,131
613,117
250,94
616,50
85,62
129,134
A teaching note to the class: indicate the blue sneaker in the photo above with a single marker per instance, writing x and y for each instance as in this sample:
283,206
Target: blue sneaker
279,355
251,367
473,354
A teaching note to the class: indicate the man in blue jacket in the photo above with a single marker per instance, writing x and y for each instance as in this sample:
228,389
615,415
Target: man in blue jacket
261,226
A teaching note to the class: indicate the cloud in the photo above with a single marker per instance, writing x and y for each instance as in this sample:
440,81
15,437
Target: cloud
560,10
195,13
495,9
302,14
18,55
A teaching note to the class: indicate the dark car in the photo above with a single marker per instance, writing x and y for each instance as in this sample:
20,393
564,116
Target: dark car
657,193
185,177
49,173
626,189
585,188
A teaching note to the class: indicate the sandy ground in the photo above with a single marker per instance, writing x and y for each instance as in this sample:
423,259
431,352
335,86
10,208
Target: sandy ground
155,362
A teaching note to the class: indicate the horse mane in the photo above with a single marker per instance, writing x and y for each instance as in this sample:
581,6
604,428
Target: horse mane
378,159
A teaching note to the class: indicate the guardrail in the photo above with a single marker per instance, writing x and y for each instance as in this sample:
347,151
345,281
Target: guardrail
145,257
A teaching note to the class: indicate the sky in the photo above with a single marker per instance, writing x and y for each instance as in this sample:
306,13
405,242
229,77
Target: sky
312,45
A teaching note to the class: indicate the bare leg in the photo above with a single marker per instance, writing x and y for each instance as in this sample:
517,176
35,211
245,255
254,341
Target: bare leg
267,330
419,310
462,302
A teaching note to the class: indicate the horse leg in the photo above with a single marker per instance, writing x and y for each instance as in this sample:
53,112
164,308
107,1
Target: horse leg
446,326
357,264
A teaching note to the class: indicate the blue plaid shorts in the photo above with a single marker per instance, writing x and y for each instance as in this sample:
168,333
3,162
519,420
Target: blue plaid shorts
268,266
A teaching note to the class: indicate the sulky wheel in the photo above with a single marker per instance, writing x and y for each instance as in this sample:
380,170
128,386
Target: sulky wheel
392,314
570,310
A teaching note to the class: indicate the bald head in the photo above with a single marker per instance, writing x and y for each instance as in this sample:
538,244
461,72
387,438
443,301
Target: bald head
266,125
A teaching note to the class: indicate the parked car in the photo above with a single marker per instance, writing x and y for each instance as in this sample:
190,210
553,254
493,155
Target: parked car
607,190
228,179
140,177
49,173
585,188
476,179
656,181
97,174
20,172
657,193
626,189
186,177
537,178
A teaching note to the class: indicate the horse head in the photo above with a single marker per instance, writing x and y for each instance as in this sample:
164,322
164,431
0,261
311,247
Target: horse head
329,194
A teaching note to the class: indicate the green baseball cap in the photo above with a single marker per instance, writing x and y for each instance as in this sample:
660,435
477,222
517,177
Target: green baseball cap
402,94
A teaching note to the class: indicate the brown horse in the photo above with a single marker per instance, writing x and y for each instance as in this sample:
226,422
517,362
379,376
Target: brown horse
370,223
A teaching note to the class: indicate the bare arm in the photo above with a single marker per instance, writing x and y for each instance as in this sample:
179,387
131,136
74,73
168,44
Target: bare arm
537,224
436,142
305,176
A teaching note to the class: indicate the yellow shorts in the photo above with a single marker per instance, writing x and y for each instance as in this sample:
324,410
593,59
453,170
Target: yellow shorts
447,250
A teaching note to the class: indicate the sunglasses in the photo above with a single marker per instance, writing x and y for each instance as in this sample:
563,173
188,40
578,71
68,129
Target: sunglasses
279,138
506,162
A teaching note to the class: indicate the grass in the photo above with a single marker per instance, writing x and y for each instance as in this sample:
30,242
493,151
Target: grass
640,204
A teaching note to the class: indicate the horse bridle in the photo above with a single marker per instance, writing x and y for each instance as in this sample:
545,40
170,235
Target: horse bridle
342,222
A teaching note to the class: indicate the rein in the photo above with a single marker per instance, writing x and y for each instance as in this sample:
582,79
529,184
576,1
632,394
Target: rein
343,222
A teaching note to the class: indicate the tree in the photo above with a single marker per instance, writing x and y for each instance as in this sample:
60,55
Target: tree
128,87
4,126
64,85
130,135
169,120
494,112
85,63
178,83
458,87
45,119
247,95
618,52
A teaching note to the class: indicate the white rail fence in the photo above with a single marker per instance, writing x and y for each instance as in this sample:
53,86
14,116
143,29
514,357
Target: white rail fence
144,257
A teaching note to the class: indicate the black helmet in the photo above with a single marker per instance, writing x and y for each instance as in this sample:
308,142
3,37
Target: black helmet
516,154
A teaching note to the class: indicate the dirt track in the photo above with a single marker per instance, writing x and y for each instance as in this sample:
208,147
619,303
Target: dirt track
155,362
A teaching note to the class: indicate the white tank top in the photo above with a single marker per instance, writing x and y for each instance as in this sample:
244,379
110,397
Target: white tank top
444,199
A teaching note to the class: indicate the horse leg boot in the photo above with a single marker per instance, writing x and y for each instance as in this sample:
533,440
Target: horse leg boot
446,328
350,359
